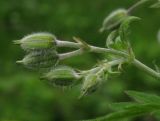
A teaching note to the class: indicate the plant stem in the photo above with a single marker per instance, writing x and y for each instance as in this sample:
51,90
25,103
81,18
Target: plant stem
106,50
107,65
133,7
61,43
145,68
80,51
116,62
70,54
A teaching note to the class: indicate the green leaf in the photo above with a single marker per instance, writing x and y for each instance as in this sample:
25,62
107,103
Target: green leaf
114,41
143,97
111,38
130,112
121,105
125,110
124,27
124,33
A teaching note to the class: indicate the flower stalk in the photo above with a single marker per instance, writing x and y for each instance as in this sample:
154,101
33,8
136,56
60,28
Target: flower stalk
42,53
95,49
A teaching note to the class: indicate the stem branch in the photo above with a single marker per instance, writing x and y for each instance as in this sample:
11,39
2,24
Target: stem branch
133,7
92,48
145,68
70,54
80,51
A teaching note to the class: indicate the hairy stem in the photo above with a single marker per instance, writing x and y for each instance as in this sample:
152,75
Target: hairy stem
70,54
92,48
145,68
80,51
116,62
106,65
133,7
61,43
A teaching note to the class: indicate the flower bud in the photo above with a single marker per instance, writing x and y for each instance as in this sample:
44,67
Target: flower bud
61,76
37,41
113,19
38,59
90,84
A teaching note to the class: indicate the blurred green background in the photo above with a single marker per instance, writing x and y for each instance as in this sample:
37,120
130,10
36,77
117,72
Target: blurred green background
23,97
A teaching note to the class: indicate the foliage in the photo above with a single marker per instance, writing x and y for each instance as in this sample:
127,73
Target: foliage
24,97
145,103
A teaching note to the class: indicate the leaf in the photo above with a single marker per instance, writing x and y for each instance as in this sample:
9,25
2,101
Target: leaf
125,110
114,41
130,112
143,97
124,33
111,38
121,105
124,27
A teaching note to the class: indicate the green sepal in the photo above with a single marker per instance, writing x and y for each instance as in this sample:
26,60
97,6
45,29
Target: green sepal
124,27
40,59
61,76
37,41
113,20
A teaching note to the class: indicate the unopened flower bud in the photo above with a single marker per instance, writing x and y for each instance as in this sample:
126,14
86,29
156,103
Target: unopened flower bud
61,76
113,19
90,84
38,59
37,41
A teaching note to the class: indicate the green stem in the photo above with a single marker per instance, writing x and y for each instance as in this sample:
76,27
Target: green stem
70,54
80,51
61,43
133,7
145,68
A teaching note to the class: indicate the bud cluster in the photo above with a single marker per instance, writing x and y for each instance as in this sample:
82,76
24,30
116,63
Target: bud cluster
41,53
41,50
